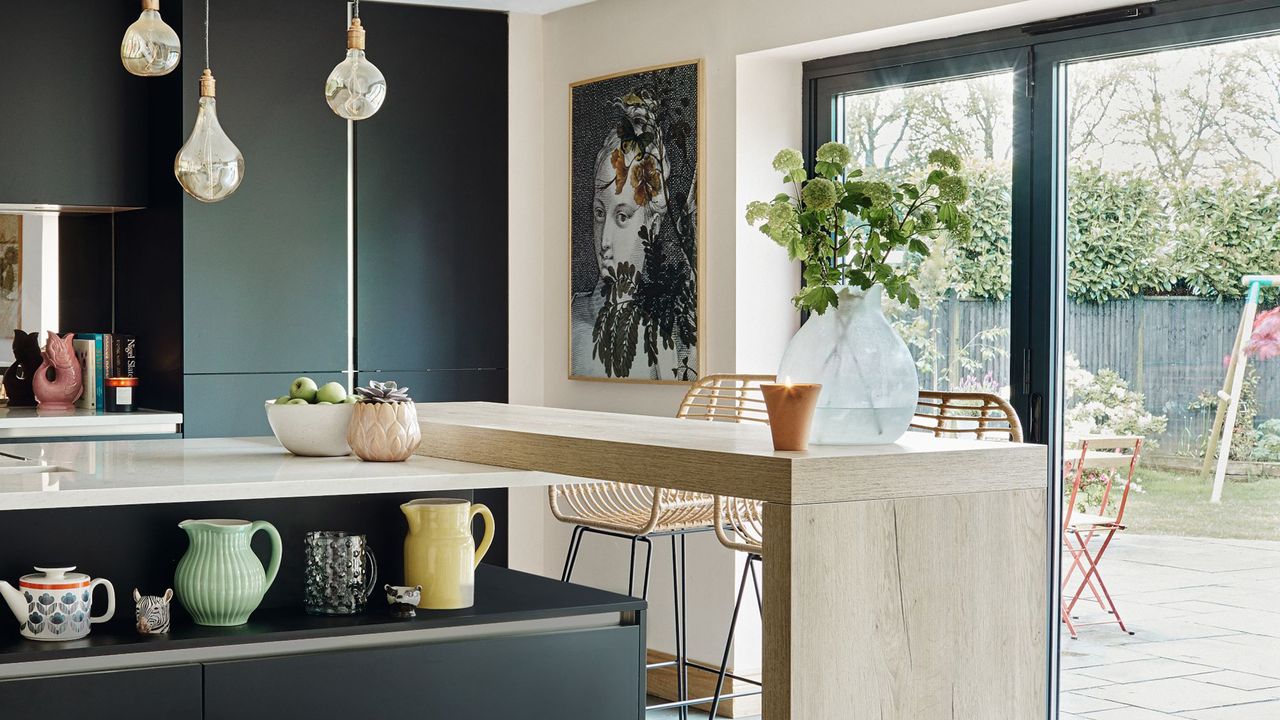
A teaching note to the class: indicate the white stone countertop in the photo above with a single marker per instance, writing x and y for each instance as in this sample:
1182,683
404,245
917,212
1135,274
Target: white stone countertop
141,472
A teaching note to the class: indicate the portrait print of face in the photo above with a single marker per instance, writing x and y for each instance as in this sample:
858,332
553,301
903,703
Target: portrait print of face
634,226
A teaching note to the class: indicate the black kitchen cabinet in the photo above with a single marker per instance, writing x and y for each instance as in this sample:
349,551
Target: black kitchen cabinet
265,271
73,122
160,693
574,674
431,193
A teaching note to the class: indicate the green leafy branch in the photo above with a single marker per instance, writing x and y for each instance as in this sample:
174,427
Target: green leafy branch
845,230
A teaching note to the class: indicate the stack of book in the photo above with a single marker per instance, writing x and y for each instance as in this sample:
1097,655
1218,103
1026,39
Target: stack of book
102,356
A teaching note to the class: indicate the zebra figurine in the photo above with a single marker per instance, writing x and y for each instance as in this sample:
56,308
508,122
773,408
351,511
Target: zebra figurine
152,612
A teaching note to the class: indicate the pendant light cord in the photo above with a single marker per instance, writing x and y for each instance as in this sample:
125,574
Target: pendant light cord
355,13
206,34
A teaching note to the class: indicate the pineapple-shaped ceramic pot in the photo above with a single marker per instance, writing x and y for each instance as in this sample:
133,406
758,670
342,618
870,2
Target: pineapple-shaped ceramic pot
385,425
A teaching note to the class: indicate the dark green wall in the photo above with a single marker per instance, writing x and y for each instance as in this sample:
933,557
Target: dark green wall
230,301
431,193
73,125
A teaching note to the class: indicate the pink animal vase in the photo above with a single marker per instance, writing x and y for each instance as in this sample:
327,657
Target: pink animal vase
58,383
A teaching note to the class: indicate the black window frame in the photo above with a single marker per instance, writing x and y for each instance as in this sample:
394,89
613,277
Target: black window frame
1039,57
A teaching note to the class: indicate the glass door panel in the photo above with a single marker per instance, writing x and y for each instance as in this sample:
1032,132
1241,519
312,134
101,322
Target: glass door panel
959,335
1171,177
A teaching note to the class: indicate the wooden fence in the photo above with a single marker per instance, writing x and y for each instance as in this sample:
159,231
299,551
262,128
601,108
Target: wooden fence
1170,349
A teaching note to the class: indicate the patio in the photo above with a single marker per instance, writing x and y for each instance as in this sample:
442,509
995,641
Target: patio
1207,643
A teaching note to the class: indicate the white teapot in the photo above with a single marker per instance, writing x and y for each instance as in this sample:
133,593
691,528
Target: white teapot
54,603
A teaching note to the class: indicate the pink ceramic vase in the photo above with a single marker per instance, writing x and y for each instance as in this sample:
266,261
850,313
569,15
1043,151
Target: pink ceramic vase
58,383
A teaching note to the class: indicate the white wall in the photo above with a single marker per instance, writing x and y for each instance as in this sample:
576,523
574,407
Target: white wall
753,50
527,292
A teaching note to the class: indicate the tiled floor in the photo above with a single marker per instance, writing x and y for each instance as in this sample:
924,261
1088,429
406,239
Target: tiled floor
1206,642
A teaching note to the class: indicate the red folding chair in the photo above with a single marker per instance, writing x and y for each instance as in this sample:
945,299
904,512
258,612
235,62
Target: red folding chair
1079,529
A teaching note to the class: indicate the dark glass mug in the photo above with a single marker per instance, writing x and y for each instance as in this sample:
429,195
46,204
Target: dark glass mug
340,573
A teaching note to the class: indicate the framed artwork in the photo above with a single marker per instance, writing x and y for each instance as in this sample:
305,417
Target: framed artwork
635,238
10,279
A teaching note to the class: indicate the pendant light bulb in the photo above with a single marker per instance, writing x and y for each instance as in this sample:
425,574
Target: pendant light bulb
209,166
356,88
150,47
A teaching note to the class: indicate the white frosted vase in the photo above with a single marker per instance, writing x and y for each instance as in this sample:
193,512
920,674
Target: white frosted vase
869,385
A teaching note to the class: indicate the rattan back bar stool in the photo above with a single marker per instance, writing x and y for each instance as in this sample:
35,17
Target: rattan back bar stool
637,514
740,522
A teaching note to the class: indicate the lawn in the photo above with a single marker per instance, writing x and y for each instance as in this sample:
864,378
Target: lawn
1175,503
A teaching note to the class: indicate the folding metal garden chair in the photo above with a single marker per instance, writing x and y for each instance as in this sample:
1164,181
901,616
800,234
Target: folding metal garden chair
1108,456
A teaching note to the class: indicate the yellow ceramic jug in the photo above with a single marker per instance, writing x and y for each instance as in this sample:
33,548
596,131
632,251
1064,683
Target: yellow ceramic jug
439,552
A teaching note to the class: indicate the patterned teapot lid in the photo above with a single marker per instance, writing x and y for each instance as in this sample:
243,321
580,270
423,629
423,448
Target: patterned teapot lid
54,579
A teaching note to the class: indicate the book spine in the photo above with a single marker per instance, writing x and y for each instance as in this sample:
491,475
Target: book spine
84,353
100,387
108,356
126,349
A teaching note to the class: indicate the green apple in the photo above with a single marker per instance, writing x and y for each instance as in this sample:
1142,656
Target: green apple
331,393
350,400
282,400
298,401
324,402
304,388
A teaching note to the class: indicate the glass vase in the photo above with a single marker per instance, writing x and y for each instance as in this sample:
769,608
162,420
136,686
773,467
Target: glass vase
868,377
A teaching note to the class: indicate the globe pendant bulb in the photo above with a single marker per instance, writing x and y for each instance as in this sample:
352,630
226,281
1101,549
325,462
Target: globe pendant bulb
209,166
356,88
150,47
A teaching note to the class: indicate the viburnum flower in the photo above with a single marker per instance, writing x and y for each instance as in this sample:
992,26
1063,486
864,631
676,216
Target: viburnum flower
787,160
819,194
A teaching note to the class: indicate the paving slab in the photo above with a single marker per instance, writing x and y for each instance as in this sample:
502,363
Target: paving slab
1206,643
1254,711
1143,670
1172,695
1239,680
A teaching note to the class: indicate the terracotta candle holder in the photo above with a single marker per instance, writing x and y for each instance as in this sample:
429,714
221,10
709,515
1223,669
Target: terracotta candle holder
790,408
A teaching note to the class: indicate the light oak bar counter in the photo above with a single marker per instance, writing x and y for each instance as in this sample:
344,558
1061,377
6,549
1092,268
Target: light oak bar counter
901,582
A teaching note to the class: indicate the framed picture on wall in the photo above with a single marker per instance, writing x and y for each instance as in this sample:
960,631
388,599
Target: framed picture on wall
635,236
10,282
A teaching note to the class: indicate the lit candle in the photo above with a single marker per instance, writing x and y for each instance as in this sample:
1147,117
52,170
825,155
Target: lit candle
790,407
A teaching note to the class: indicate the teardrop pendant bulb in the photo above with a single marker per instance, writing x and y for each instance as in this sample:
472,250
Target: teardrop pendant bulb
150,47
356,88
209,166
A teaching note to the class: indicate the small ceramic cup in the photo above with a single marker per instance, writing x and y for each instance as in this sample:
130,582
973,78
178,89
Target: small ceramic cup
790,409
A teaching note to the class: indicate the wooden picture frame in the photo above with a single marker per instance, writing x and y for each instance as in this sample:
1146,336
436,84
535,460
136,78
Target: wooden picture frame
637,153
10,282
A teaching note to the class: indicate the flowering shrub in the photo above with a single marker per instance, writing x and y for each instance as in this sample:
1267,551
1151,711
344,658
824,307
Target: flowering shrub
1103,403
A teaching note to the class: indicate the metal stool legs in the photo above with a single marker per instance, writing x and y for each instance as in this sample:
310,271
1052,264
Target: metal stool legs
680,598
728,644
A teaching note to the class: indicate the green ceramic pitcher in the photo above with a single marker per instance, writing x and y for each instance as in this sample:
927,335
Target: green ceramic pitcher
220,580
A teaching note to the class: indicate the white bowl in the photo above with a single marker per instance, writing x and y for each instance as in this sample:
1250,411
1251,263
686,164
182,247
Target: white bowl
312,430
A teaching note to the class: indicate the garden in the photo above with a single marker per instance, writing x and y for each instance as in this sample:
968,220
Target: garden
1173,195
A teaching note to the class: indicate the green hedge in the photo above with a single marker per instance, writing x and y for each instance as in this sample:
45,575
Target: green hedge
1128,235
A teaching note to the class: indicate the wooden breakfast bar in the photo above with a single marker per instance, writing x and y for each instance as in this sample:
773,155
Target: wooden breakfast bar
902,582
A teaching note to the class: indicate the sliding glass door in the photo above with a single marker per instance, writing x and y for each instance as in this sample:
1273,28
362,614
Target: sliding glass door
1125,175
891,119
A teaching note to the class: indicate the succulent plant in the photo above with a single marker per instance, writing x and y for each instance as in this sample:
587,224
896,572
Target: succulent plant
387,392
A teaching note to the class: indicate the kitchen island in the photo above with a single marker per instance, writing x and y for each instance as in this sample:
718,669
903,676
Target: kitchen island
112,509
901,582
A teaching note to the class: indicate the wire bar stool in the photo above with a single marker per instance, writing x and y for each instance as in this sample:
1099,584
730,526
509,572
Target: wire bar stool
638,514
